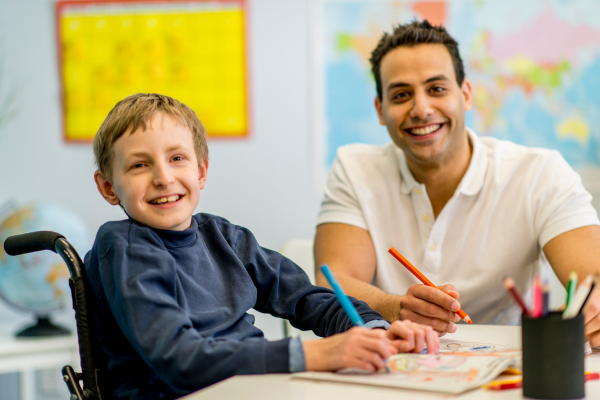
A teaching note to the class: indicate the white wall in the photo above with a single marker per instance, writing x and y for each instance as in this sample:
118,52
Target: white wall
263,183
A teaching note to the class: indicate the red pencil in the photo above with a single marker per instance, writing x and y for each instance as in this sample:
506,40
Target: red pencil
536,304
463,315
509,284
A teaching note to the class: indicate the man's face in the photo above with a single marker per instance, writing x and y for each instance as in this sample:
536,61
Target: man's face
155,174
423,107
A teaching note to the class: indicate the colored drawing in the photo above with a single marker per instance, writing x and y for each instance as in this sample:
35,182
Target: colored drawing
470,349
193,51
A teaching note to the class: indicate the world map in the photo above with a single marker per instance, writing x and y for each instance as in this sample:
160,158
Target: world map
534,67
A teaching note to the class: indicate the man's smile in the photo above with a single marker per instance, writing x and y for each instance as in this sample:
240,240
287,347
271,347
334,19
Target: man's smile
423,130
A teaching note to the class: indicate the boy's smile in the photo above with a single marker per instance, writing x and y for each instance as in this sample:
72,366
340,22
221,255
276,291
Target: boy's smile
156,176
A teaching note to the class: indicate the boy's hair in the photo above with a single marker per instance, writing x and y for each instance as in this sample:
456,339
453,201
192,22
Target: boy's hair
410,35
135,111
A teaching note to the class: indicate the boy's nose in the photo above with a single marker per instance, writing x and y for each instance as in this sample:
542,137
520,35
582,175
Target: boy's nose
163,176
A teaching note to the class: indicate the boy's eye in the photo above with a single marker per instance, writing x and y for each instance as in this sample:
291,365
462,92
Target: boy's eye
137,165
177,158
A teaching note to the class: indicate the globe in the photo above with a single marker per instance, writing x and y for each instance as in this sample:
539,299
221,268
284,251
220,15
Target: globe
39,282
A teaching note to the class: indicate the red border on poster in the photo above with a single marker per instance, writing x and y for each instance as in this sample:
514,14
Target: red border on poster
61,4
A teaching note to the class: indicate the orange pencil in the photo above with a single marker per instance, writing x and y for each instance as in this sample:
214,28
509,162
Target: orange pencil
463,315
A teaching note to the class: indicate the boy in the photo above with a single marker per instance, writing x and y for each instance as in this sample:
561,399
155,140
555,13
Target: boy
172,289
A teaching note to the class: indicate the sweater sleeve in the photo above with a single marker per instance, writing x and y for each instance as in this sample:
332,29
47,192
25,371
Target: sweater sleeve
284,290
140,289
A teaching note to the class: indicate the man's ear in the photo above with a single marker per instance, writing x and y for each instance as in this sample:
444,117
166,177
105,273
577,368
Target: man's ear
379,111
106,188
202,173
467,94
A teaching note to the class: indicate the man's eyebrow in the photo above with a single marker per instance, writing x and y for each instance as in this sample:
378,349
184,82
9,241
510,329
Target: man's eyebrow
440,77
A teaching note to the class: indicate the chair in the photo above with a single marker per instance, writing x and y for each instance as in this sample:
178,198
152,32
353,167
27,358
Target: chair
86,331
300,251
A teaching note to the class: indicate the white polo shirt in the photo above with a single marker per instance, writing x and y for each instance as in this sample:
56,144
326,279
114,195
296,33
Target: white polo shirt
511,201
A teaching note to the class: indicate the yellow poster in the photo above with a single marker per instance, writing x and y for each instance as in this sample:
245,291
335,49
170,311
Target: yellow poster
193,51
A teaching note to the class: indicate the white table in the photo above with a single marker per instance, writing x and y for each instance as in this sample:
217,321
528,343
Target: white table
282,387
25,356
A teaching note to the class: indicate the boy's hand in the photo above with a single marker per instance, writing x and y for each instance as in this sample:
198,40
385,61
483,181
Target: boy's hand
356,348
367,348
407,336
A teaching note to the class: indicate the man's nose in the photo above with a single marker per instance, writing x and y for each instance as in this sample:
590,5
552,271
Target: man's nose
162,174
421,107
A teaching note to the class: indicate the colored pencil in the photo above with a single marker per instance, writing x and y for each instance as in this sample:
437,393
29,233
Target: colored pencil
545,299
518,382
345,302
581,295
342,298
571,287
423,279
594,283
536,303
509,284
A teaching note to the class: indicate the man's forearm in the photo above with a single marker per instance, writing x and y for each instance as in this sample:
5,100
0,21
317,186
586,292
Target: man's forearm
385,304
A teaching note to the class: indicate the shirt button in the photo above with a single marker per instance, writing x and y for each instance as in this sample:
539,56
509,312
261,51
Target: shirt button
419,191
433,247
426,217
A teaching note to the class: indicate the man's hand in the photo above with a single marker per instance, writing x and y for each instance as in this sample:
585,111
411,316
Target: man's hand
429,306
367,348
591,318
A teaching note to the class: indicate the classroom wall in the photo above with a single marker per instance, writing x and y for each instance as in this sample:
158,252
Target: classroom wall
264,182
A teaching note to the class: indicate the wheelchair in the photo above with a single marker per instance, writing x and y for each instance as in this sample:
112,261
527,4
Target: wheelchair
89,350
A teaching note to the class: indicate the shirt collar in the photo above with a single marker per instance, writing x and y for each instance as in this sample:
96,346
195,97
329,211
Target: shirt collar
177,239
470,184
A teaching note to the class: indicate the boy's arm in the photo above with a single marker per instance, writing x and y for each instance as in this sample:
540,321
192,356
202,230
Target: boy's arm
284,290
183,353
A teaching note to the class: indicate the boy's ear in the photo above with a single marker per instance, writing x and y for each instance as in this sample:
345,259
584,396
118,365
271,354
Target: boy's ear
106,188
202,173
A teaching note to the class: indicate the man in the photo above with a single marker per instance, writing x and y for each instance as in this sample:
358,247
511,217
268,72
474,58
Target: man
467,211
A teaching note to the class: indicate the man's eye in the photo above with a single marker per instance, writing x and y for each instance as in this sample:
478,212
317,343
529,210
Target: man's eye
401,95
137,165
438,89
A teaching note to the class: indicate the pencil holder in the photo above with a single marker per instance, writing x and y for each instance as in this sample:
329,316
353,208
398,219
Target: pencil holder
553,357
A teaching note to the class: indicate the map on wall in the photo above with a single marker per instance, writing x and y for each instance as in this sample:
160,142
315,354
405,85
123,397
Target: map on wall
193,51
534,66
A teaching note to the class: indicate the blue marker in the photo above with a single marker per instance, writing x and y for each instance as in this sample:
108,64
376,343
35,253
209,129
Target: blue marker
345,302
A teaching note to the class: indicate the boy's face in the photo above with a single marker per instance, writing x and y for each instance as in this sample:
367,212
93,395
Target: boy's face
155,175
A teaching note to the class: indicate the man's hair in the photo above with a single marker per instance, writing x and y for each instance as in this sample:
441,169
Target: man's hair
135,111
410,35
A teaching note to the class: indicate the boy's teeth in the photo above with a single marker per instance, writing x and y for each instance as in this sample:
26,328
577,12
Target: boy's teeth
425,130
169,199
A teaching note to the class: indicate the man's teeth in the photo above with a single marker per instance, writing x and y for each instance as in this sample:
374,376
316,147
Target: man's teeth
426,130
169,199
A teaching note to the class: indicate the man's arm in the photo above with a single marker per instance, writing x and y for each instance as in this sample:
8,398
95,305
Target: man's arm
349,253
579,250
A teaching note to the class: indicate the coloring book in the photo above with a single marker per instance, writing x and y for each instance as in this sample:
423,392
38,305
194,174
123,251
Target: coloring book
460,366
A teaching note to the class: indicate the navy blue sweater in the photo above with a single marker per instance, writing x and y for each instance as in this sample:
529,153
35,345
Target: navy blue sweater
171,306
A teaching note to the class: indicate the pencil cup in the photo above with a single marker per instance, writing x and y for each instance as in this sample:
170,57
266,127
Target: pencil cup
553,350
